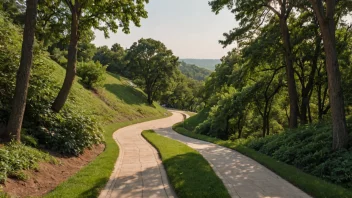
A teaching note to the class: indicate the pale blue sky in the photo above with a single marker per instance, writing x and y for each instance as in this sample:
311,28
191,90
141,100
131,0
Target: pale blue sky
187,27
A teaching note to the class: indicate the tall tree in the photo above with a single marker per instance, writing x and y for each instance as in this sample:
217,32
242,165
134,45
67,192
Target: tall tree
23,74
325,13
252,14
101,15
151,65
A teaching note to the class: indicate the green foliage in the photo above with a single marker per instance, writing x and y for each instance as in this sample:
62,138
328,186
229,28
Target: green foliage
28,140
68,132
89,181
112,58
59,56
92,74
189,173
14,158
312,185
14,10
308,148
194,72
183,93
208,64
151,65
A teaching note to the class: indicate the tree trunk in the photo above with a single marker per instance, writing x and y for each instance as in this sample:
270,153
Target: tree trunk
71,63
327,27
23,74
264,126
292,90
304,109
267,124
150,96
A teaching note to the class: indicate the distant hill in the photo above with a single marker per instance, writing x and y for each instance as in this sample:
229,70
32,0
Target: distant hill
204,63
193,71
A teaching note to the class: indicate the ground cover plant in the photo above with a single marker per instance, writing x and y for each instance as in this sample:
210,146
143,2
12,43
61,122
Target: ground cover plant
332,164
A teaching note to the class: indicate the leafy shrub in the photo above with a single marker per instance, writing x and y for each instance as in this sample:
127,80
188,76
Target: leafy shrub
59,56
91,73
69,131
309,149
17,157
203,128
29,140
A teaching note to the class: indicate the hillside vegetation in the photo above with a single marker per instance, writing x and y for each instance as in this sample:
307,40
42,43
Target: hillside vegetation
208,64
194,72
78,126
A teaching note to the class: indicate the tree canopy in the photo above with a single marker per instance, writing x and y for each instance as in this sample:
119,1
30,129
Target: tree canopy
151,65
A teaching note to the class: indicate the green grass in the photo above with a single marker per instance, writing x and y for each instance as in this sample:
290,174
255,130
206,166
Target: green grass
115,101
116,104
189,173
92,178
190,113
312,185
192,122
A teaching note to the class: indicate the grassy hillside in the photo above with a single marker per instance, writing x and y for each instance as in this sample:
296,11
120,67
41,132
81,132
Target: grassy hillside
115,101
77,126
204,63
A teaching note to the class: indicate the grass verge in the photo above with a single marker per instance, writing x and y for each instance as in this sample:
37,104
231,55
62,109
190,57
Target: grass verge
90,180
189,173
312,185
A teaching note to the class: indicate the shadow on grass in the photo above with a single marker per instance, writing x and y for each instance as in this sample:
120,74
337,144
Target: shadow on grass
94,191
126,93
192,176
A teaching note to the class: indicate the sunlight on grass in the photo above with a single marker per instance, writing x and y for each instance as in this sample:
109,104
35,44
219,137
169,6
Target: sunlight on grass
312,185
189,173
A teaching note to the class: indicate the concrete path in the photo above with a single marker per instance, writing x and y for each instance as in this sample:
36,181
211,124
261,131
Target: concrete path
242,176
138,171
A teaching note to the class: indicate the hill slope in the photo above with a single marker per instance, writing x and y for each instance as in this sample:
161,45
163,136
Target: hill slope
194,72
204,63
115,101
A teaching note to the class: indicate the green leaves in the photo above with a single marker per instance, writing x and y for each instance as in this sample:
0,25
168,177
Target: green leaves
91,73
151,65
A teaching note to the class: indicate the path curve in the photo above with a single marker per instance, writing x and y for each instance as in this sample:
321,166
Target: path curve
138,172
242,176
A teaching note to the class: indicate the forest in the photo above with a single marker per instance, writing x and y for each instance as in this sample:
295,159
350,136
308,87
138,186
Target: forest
284,91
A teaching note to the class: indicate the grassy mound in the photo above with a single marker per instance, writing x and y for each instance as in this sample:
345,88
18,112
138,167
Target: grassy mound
189,173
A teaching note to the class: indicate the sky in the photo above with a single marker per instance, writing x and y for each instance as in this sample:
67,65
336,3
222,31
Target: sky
188,27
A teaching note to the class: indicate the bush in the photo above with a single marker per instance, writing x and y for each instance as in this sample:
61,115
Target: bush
69,131
309,149
91,73
16,157
59,56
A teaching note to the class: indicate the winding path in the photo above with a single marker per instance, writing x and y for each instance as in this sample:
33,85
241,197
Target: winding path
139,173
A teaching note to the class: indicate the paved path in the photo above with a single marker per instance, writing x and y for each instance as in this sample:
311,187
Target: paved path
139,172
242,176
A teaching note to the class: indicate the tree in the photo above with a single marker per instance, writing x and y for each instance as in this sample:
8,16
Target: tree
112,58
102,15
252,14
151,65
325,13
22,80
15,10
